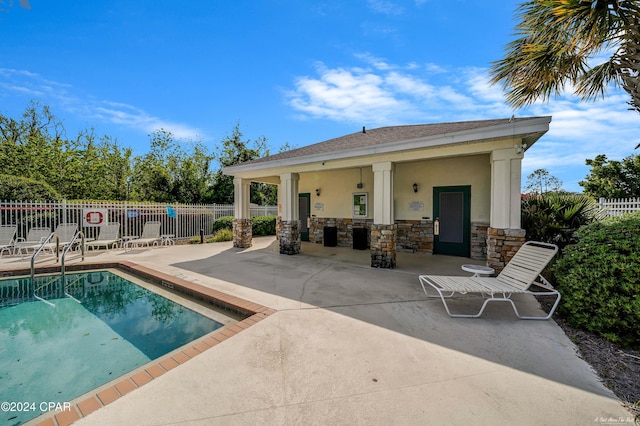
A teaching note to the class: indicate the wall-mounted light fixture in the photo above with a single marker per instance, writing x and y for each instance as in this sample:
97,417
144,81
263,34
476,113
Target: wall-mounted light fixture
318,192
520,147
415,187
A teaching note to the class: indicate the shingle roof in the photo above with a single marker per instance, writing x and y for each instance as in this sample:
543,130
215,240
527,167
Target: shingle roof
383,135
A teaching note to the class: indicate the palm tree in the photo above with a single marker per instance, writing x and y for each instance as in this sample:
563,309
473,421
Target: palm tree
557,38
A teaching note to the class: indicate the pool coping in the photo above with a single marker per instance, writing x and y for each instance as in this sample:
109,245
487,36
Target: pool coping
253,312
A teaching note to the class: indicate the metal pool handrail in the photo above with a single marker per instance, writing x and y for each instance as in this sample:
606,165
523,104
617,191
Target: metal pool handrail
33,264
64,253
39,249
35,296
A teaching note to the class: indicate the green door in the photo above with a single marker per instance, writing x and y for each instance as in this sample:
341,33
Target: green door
452,220
304,202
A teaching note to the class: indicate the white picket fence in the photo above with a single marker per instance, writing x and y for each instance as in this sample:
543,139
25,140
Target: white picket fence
184,221
618,206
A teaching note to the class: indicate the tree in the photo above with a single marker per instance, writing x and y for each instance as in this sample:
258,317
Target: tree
27,146
98,168
170,173
236,151
541,182
613,179
86,167
556,40
17,188
92,167
193,176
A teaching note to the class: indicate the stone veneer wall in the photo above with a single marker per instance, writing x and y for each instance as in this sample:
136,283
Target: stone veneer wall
278,227
242,235
479,233
383,246
345,229
502,245
290,237
412,236
415,236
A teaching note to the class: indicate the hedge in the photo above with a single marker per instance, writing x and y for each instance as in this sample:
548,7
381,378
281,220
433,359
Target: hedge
260,225
599,279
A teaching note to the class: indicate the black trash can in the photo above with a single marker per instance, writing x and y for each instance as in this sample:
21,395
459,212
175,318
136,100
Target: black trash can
330,236
360,238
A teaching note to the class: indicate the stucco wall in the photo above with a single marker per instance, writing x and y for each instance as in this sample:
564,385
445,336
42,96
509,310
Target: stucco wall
337,186
336,189
471,170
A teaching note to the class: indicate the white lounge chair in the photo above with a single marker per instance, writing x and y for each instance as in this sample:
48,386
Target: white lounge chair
7,236
517,277
34,239
65,233
109,236
150,235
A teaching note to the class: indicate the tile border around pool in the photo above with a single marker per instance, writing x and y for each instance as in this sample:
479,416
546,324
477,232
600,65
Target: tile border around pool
254,313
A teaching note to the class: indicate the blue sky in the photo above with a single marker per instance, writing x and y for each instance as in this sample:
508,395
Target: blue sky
293,71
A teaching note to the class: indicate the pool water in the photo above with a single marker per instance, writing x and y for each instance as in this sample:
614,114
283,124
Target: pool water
95,328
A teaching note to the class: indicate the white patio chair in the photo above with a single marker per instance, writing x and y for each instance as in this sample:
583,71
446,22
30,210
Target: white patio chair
517,277
34,239
7,236
150,235
65,233
109,236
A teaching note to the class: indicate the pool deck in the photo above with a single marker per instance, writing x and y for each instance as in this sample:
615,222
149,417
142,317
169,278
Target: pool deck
349,344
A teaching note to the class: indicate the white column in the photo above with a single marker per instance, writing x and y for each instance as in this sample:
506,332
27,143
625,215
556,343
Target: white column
289,199
241,192
383,193
506,174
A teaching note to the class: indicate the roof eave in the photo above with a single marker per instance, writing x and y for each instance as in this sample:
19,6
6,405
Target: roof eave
532,129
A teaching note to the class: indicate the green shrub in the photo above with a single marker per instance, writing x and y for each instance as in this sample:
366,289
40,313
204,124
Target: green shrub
599,279
555,217
223,222
16,188
260,225
222,235
263,225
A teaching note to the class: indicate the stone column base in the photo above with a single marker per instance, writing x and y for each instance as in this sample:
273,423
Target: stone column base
278,227
290,237
502,245
479,241
242,235
383,246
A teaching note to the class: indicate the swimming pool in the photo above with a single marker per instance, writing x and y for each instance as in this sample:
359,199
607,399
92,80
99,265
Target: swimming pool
58,341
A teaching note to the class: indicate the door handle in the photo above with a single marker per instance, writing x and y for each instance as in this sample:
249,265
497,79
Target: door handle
436,226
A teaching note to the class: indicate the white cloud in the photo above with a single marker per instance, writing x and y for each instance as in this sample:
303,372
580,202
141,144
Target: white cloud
61,95
354,95
406,84
136,118
480,86
385,7
383,95
377,63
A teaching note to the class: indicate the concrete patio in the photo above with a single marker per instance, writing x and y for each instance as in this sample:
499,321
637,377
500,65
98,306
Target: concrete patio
354,345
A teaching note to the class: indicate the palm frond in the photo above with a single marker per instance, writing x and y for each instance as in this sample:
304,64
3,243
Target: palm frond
555,40
593,83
